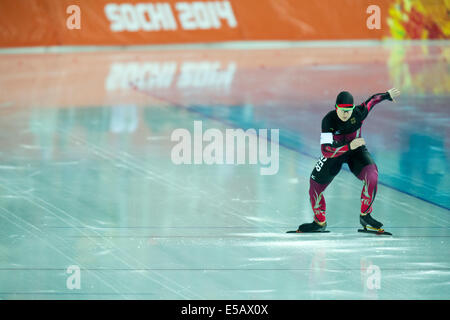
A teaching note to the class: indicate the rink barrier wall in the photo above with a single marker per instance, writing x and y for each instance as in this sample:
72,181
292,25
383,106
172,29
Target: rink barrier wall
140,22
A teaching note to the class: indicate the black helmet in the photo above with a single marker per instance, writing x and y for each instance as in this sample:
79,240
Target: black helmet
344,97
344,100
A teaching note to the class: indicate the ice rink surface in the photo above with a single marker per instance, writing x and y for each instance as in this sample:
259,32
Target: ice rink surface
87,178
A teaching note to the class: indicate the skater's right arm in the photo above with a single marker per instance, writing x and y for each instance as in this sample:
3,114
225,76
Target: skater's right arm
335,149
329,147
356,143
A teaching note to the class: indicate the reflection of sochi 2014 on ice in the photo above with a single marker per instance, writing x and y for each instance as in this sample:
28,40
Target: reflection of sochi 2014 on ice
227,148
149,75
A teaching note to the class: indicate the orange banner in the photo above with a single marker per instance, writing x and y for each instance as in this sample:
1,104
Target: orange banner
140,22
106,22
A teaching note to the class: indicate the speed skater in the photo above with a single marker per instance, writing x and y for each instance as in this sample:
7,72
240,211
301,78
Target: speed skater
341,142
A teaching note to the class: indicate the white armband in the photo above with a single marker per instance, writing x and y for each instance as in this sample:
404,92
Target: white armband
326,137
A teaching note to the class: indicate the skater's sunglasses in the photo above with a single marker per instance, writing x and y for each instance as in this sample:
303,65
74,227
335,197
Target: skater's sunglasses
345,107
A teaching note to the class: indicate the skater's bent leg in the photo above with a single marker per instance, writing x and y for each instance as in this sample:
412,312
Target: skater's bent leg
369,175
317,200
322,175
365,169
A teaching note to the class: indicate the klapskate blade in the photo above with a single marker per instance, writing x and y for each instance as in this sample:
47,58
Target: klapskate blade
295,231
385,233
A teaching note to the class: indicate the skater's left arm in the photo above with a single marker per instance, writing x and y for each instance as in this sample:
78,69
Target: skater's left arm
368,105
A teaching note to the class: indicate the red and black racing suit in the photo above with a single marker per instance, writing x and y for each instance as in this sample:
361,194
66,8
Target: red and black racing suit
335,145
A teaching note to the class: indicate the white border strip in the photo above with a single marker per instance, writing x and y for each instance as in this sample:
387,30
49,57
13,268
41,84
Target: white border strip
231,45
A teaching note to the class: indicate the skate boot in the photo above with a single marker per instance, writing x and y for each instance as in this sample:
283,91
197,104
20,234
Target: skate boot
311,227
371,225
